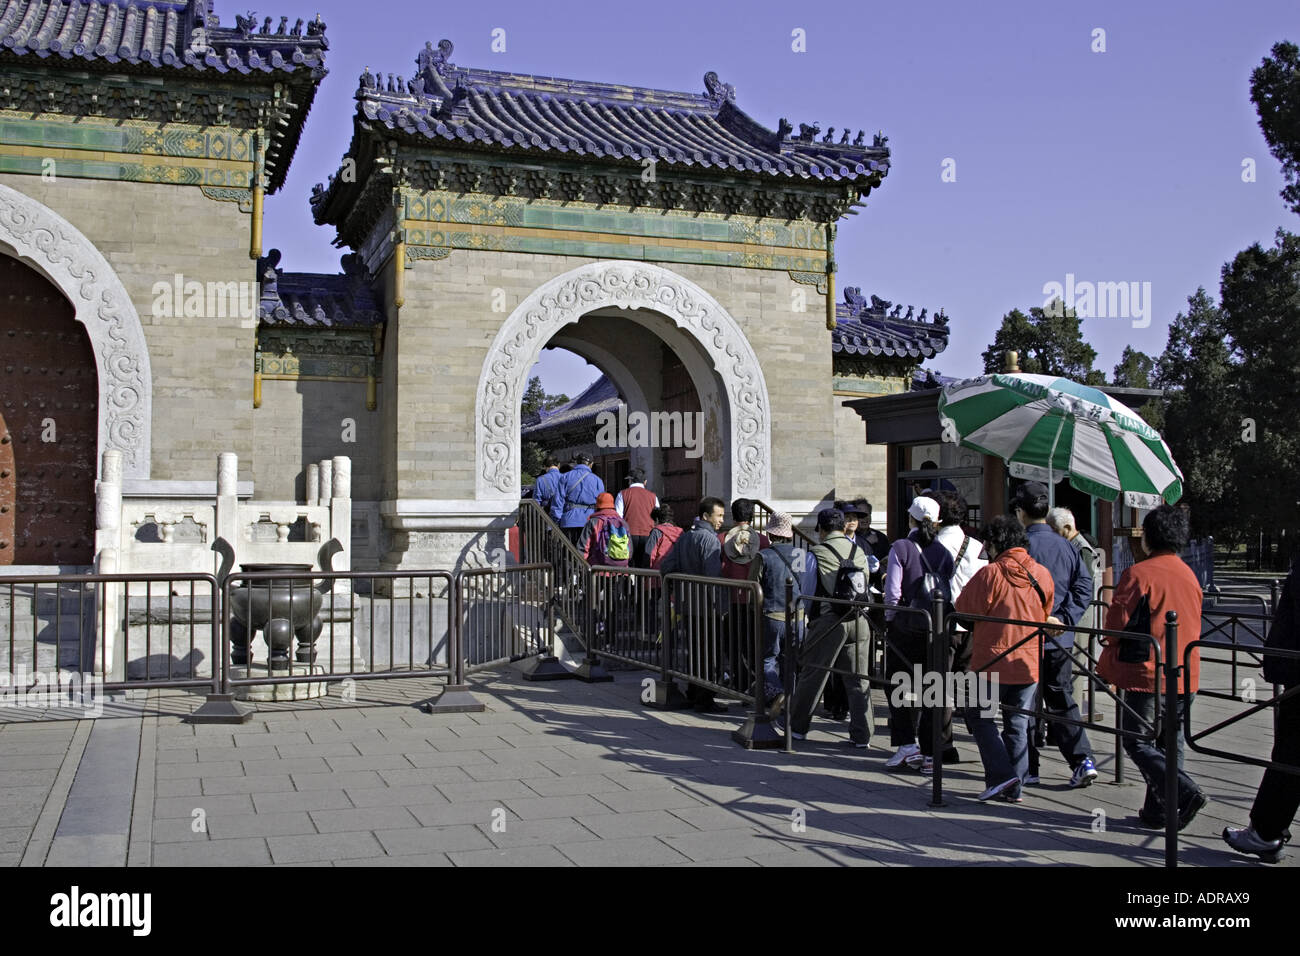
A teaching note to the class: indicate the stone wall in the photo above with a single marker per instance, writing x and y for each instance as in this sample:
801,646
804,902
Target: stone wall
202,365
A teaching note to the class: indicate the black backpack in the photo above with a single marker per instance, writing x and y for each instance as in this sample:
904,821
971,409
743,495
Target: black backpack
850,585
929,582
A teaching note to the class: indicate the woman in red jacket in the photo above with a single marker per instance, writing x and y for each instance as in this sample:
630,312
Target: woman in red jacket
1169,585
1012,585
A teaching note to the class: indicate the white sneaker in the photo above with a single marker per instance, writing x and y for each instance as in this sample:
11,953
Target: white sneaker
901,756
996,789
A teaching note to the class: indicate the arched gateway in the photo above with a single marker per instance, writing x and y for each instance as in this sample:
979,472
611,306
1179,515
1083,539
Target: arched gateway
662,234
42,239
746,416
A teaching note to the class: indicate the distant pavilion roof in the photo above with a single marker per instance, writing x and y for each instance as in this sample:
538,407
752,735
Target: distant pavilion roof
172,37
600,396
865,327
314,300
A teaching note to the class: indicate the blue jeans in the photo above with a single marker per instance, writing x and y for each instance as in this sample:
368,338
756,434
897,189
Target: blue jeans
1149,758
1006,755
773,662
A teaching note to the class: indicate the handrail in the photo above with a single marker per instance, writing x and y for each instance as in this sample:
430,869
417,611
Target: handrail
561,538
763,511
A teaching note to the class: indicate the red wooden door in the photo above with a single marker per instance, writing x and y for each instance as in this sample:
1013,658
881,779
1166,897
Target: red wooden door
681,476
49,396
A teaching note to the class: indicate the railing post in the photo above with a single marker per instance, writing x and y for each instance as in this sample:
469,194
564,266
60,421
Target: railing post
545,665
757,733
221,706
591,670
455,697
788,652
1172,730
665,694
1272,598
1120,704
937,659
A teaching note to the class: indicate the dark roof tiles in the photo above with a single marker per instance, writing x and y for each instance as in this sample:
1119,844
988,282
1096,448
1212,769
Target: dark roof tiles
518,111
865,327
182,34
314,300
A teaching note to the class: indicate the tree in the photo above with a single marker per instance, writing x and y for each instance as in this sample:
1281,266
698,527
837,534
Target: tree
1260,303
1198,374
1275,91
532,456
1049,342
536,401
1134,369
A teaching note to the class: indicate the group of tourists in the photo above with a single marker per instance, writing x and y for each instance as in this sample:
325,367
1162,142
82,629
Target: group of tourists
1032,566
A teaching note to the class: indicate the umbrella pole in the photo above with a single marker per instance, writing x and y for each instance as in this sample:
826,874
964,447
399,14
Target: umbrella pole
1051,485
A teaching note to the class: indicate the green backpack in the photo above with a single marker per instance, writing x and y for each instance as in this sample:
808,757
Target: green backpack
616,543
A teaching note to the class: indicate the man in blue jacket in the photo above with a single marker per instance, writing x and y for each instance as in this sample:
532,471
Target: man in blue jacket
1073,583
580,487
547,489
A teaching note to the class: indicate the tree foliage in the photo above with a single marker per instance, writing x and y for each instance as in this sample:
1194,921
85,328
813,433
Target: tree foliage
1049,342
532,456
1275,91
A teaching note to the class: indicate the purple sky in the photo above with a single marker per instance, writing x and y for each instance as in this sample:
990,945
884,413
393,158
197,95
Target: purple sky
1117,166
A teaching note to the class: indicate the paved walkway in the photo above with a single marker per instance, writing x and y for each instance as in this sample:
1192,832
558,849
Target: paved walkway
553,773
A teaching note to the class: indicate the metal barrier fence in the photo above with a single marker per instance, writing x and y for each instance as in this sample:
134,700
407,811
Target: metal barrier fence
504,615
543,542
125,631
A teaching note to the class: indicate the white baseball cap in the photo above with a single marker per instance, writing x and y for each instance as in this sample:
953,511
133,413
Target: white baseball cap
922,508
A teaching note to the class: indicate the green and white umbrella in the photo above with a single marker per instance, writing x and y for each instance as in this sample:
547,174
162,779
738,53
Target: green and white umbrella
1046,428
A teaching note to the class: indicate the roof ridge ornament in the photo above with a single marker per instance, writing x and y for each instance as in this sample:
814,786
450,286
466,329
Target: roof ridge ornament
717,91
431,67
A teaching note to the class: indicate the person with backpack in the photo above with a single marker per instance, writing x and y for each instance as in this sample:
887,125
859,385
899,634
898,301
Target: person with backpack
1150,589
1005,656
1073,583
580,487
1278,797
917,564
838,635
605,541
968,557
771,568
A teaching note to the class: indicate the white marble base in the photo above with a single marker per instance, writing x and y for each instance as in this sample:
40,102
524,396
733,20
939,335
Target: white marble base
279,692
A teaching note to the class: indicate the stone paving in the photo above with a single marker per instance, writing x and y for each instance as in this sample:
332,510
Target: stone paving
561,773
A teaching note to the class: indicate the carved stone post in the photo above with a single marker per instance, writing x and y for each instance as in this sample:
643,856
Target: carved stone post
326,468
227,503
341,513
108,541
313,484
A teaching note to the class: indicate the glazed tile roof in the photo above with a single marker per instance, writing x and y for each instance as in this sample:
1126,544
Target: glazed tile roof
314,300
599,396
538,114
869,328
185,34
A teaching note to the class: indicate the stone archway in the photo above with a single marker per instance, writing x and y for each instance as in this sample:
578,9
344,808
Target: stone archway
625,285
41,238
